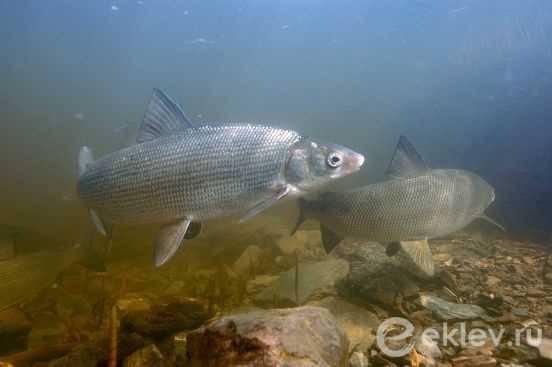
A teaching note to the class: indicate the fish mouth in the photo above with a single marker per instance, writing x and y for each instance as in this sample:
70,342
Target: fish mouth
358,160
354,162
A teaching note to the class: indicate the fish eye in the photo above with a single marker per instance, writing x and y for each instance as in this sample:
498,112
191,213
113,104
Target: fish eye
334,160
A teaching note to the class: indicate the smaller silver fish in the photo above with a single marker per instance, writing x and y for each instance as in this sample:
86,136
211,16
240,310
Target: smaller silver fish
24,276
417,204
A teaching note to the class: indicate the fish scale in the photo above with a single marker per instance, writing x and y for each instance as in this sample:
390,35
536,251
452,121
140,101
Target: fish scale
438,203
178,174
416,204
198,172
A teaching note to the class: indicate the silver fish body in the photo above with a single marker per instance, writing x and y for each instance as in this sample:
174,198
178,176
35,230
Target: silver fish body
417,204
434,204
179,175
198,173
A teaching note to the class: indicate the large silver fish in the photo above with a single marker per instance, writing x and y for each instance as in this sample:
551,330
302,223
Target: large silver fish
179,175
417,204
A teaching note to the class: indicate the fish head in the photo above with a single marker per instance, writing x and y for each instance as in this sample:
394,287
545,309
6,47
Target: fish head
483,192
478,193
313,164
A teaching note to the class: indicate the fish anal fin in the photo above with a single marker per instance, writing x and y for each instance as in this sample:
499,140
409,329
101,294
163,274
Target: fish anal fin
264,205
163,117
420,254
406,161
97,222
492,221
329,239
168,240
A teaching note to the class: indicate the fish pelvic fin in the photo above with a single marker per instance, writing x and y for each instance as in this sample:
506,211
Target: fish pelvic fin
420,254
329,239
300,218
493,222
98,223
168,241
85,158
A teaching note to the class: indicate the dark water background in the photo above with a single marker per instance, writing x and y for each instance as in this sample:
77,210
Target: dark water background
469,82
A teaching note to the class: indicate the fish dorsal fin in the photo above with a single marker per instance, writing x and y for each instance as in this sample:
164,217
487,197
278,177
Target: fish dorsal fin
163,117
406,161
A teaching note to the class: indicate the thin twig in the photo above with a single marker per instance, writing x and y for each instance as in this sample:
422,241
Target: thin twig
114,333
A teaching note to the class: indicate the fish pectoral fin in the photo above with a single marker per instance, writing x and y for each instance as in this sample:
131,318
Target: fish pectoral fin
492,221
300,218
163,117
329,238
168,240
420,253
97,222
406,161
263,205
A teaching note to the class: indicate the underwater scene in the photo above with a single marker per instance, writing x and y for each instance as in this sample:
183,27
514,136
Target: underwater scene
333,183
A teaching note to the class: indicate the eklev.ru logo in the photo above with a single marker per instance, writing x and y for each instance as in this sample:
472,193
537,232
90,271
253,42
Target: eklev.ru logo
395,336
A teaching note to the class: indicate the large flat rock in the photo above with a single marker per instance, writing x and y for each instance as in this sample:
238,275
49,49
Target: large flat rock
313,277
300,337
358,323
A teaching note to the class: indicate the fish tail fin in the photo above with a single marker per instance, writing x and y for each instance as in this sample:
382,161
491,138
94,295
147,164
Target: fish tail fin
492,221
419,253
300,218
85,158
